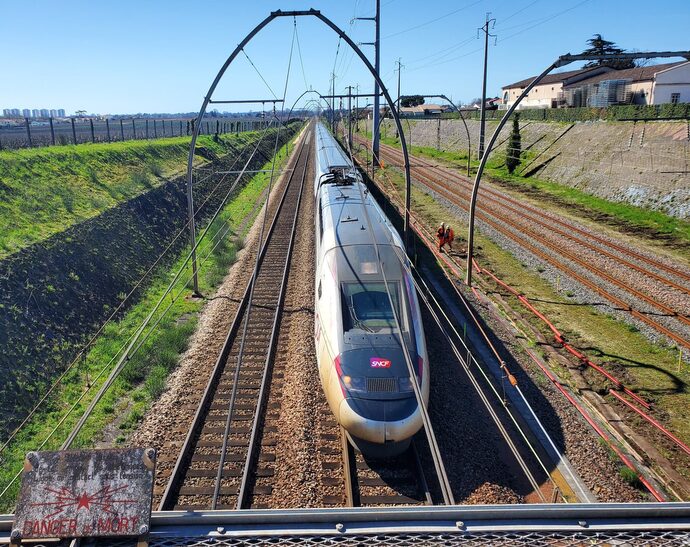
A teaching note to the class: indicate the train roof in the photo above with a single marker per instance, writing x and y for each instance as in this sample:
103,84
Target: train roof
344,219
330,154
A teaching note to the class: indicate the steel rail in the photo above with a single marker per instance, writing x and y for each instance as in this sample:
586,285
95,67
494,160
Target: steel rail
353,489
560,61
497,197
132,347
625,460
243,338
439,466
517,207
349,471
569,271
502,367
85,347
177,475
273,342
583,263
487,404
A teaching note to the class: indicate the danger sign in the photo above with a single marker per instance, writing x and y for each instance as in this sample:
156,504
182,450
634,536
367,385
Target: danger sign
85,493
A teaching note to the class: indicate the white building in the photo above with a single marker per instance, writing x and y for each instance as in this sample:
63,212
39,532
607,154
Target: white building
36,113
672,85
654,84
549,90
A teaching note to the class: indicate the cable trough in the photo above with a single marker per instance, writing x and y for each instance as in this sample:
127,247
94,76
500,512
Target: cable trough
223,453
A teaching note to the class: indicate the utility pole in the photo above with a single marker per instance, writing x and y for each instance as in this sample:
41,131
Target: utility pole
482,121
333,102
377,66
349,115
397,102
357,108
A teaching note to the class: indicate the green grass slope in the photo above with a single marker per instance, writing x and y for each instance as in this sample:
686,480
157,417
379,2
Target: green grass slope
45,190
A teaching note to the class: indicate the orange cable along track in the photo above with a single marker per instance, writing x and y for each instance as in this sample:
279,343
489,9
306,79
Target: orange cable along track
443,189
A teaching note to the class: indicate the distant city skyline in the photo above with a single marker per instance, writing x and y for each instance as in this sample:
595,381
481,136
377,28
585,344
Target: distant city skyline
33,113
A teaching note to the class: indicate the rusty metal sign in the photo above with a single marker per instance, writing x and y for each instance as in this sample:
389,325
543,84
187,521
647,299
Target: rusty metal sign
85,493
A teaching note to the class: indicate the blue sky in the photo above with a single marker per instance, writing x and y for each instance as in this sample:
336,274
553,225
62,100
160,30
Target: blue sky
130,56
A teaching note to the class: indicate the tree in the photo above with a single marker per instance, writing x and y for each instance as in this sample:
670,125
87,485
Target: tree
411,100
599,46
514,146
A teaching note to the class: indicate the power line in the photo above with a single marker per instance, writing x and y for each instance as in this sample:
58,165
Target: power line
545,20
433,20
520,10
447,51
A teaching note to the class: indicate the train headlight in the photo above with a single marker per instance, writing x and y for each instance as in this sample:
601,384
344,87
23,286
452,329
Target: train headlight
354,384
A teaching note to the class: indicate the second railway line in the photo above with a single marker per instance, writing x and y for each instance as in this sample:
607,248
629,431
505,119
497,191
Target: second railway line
664,311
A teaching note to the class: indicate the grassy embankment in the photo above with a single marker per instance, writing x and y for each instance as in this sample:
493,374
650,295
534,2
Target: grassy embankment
143,378
650,369
46,190
631,219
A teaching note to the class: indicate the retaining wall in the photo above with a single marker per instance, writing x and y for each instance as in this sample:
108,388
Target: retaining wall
642,163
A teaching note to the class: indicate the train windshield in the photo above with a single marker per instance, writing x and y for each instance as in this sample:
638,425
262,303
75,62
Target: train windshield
364,301
367,306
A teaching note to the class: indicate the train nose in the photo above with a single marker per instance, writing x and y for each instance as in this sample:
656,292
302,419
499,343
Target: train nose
387,410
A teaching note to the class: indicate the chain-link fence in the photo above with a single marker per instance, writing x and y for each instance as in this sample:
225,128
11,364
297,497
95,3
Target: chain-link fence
29,132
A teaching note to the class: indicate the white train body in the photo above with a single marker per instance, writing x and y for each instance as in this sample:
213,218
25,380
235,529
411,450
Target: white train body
362,366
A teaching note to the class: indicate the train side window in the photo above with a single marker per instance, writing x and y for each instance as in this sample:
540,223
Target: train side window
320,221
319,289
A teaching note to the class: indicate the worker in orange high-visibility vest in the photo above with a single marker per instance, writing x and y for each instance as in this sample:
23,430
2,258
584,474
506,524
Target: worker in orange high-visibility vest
448,237
441,236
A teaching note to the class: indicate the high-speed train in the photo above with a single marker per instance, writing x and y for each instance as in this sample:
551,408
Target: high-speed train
360,350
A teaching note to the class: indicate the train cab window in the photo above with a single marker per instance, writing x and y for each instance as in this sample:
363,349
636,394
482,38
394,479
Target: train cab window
320,213
366,306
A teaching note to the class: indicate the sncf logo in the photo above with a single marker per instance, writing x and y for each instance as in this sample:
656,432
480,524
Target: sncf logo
376,362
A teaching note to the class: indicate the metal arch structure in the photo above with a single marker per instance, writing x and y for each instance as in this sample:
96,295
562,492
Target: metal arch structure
207,99
456,109
559,62
467,131
302,95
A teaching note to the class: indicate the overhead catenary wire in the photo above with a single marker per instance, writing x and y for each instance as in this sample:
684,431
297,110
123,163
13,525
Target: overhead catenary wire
437,458
127,356
83,350
107,366
544,20
259,73
427,293
299,52
245,326
436,19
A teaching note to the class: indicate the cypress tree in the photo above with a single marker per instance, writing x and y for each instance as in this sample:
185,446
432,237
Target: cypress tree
514,146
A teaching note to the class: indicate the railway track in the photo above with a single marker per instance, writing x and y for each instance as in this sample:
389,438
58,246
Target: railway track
229,445
383,482
504,220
